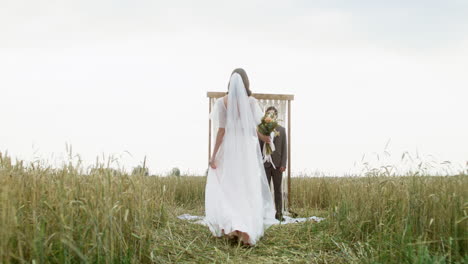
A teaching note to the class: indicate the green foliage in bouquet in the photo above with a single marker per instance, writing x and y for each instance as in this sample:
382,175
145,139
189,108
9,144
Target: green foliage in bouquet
268,125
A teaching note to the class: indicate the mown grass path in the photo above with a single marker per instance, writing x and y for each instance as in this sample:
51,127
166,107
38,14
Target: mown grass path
309,242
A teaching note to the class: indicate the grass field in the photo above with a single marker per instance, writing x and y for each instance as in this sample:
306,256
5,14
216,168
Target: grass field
68,216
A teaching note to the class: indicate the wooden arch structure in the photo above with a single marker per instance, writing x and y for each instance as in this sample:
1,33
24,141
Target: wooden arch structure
282,102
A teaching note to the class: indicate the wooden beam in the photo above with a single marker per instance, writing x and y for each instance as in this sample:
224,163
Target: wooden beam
209,131
289,154
215,94
259,96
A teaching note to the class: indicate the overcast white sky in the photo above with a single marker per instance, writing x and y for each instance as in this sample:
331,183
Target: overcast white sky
115,76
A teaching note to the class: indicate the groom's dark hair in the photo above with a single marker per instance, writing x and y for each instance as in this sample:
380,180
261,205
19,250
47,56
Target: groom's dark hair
272,108
245,80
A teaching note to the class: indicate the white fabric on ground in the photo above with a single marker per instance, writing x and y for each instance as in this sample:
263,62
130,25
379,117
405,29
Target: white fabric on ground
195,219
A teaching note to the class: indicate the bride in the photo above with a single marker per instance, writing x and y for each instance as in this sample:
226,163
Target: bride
238,202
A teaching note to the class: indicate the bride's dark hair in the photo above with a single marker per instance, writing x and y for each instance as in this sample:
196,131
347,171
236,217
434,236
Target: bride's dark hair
245,80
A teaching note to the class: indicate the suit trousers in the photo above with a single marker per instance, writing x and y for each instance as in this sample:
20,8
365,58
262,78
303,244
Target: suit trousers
277,176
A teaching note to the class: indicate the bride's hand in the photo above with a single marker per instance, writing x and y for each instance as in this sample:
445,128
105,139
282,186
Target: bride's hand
212,164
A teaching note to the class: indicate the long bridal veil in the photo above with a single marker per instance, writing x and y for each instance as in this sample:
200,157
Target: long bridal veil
237,195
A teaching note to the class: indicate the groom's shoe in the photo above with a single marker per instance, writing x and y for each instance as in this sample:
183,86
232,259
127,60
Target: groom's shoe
279,217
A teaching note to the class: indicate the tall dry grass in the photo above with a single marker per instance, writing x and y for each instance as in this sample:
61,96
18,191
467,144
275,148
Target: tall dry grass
412,218
63,215
69,216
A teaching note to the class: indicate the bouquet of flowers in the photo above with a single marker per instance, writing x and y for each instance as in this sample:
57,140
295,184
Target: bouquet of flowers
268,128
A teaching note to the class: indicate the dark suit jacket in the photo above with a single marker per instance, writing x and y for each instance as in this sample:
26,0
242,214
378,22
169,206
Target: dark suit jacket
280,155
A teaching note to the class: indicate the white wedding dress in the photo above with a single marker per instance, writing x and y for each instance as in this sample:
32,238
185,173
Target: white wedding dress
237,195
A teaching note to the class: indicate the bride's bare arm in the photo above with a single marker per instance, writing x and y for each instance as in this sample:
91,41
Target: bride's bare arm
219,140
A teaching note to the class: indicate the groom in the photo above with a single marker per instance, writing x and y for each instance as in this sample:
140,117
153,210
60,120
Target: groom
279,157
